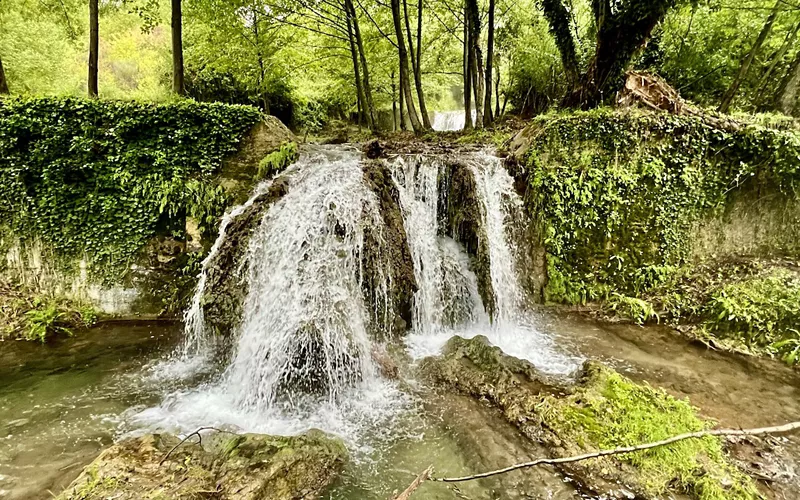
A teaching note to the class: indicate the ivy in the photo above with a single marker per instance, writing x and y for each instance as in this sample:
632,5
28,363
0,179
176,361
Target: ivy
97,179
616,195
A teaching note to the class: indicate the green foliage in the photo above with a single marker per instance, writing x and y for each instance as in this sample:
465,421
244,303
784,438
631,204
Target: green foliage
617,195
761,312
609,411
277,161
641,311
99,178
49,317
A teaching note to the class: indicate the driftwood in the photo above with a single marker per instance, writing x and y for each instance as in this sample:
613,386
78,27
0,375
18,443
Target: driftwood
426,474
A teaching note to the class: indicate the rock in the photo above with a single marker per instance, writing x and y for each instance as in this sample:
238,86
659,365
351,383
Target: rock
373,149
602,410
225,466
394,251
239,170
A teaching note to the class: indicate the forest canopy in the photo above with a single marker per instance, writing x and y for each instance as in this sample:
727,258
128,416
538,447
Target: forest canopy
313,61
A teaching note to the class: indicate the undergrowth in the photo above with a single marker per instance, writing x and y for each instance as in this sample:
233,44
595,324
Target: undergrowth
609,411
277,161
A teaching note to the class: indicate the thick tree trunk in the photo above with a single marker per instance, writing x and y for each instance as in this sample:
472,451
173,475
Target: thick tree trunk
356,72
558,18
94,46
368,103
404,81
487,103
727,99
3,81
789,91
415,65
620,35
467,72
177,49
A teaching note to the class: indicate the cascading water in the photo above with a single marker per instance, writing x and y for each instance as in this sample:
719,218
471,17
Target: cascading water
448,121
447,291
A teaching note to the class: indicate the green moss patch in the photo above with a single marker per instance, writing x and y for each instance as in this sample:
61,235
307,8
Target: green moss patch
609,411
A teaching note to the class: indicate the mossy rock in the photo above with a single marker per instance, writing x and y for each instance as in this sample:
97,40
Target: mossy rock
602,410
245,466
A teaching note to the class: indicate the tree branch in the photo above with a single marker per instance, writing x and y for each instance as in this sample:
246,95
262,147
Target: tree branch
627,449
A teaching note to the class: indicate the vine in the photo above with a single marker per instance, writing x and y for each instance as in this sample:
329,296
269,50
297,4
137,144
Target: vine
98,179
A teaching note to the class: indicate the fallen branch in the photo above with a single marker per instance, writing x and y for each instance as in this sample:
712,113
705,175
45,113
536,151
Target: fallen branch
426,474
628,449
199,440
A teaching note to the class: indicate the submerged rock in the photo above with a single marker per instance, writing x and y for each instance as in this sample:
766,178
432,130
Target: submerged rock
224,466
602,410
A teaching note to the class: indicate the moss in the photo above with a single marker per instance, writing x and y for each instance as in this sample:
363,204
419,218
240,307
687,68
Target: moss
609,411
602,410
277,161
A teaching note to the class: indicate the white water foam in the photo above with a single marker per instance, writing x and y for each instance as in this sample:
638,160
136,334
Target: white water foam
449,121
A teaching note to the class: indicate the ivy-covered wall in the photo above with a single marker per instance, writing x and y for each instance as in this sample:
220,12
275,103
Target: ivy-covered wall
622,199
97,179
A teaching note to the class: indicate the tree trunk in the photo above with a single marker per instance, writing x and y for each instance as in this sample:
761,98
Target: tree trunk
3,81
788,93
94,45
620,35
356,72
369,106
467,68
558,18
416,62
475,56
403,56
402,101
727,99
487,103
497,91
394,102
776,59
177,49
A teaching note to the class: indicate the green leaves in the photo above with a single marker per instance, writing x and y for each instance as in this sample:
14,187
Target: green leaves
98,178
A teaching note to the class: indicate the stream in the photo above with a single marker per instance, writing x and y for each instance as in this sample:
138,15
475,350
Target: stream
61,404
319,273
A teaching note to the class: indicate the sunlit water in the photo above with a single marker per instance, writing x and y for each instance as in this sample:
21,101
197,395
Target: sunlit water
450,121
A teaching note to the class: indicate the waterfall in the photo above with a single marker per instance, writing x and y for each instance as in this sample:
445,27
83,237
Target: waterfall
447,291
448,121
305,320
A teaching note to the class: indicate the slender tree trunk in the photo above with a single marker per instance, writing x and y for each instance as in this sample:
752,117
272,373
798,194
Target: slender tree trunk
368,103
497,92
177,49
404,82
475,56
776,59
94,46
394,102
730,94
415,63
789,91
3,81
402,101
467,71
487,104
356,72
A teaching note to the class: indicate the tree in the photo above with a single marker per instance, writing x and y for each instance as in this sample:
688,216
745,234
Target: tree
475,74
622,29
416,62
788,93
94,45
3,82
467,65
367,87
727,99
487,103
177,49
405,86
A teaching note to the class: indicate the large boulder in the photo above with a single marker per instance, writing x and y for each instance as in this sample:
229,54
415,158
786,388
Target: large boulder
224,466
